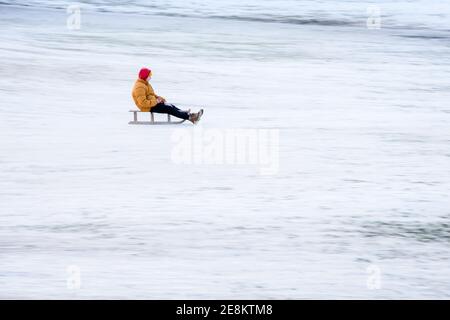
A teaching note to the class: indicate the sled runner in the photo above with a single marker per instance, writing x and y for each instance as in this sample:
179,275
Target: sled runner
152,119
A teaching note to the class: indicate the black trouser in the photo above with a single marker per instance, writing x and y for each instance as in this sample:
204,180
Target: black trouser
170,109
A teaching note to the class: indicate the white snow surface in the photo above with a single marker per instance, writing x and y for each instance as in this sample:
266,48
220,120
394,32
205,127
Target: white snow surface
363,181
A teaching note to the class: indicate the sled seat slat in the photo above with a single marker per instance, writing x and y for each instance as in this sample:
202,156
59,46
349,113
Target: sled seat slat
152,119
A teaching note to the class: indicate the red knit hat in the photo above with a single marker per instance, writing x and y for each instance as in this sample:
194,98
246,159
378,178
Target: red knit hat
144,73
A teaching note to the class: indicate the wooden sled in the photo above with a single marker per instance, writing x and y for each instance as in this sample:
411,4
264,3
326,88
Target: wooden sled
152,119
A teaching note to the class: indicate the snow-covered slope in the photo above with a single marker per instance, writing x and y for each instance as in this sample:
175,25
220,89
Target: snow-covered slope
362,182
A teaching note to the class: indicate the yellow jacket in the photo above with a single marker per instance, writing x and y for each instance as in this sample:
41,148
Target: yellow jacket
143,95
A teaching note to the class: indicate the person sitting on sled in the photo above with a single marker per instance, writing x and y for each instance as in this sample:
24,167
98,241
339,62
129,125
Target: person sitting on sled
147,101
